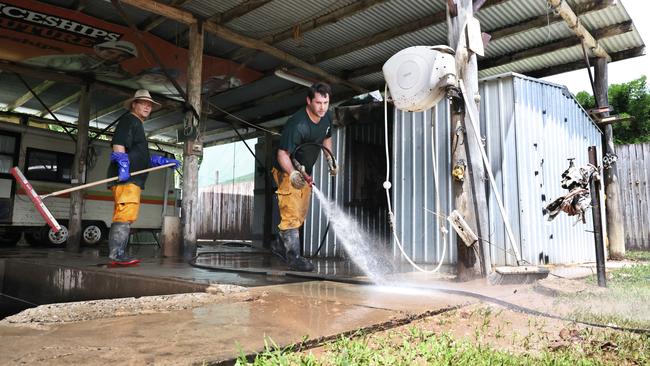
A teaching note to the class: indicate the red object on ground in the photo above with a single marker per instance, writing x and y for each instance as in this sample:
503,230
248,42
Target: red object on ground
36,199
127,263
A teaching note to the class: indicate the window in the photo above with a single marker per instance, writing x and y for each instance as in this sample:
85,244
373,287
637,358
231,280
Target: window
49,166
7,152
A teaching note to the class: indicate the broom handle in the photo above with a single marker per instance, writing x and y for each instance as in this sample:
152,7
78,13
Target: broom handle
92,184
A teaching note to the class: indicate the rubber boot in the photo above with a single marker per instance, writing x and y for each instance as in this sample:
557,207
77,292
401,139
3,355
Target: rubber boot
118,239
278,249
295,261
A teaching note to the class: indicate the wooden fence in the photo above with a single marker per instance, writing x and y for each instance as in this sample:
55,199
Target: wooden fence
634,172
226,211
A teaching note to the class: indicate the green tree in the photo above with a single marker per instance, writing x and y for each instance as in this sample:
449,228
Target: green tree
631,99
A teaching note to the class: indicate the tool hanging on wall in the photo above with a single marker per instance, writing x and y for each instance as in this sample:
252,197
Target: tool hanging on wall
578,200
37,199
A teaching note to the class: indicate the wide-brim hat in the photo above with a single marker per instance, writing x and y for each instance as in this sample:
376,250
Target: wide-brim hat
141,94
124,46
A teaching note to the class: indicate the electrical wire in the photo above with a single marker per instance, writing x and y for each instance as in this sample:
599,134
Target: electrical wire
387,186
242,120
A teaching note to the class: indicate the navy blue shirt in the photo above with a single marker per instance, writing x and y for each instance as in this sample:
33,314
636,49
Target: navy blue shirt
300,129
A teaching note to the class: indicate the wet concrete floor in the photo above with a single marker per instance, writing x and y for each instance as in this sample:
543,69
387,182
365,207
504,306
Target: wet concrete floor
282,307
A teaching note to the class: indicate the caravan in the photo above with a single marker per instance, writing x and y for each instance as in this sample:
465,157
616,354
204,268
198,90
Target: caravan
46,158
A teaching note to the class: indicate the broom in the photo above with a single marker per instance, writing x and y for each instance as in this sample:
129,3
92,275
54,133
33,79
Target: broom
37,199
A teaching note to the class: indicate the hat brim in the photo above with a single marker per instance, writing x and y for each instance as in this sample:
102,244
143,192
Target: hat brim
155,105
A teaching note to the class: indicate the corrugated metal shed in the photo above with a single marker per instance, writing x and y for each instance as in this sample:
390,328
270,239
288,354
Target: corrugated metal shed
356,42
531,128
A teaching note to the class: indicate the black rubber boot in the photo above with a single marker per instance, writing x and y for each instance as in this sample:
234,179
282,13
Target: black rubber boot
278,249
118,239
295,261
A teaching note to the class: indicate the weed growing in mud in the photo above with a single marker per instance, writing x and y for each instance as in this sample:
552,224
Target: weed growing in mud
415,345
624,303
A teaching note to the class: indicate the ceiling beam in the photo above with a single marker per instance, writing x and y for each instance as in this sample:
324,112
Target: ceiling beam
256,102
410,27
61,104
40,88
572,41
108,110
577,65
225,17
229,35
156,20
333,17
529,24
547,19
576,27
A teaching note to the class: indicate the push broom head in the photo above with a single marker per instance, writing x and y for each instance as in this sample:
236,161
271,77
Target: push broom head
36,199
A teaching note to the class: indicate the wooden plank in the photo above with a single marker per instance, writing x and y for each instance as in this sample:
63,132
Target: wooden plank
40,88
576,27
228,35
156,20
61,104
612,30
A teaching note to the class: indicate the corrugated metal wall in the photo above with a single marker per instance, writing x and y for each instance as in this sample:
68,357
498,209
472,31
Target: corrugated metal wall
531,128
372,220
634,173
413,193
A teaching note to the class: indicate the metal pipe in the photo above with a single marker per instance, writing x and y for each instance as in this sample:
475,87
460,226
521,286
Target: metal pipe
594,187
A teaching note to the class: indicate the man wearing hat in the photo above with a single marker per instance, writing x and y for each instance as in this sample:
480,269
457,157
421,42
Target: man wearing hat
130,153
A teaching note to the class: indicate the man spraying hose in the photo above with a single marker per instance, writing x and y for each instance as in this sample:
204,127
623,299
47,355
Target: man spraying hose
311,124
130,153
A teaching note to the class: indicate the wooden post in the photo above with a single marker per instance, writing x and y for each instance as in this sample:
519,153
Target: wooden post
613,212
78,175
193,145
470,197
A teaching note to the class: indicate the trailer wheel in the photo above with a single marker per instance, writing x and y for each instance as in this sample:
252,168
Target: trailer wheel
56,239
93,233
9,237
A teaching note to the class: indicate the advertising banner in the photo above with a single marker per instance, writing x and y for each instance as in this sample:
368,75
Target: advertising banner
46,36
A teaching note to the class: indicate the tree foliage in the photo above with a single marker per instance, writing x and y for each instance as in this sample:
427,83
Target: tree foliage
626,99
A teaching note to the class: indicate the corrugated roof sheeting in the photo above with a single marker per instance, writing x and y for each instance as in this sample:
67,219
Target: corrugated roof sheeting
208,8
528,39
558,57
504,14
364,24
383,51
280,15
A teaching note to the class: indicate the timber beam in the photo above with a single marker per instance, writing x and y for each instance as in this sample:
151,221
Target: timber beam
61,104
609,31
572,66
576,27
228,35
40,88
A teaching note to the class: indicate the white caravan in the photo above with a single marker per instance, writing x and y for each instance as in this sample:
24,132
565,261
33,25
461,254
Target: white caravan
45,157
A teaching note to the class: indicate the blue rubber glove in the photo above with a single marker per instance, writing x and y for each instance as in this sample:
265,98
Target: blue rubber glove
123,165
157,160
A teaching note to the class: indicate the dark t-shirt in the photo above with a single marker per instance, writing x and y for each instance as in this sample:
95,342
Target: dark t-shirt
130,134
298,130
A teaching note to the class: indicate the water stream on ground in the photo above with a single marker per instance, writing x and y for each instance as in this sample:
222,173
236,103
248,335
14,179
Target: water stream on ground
361,248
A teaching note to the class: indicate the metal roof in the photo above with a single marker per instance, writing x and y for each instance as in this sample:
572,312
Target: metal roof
353,45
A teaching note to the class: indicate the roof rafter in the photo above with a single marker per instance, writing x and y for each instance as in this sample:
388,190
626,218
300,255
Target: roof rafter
576,27
527,25
156,20
608,31
61,104
40,88
572,66
229,35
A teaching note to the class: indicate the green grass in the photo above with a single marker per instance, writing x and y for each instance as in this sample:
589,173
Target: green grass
415,346
638,255
623,303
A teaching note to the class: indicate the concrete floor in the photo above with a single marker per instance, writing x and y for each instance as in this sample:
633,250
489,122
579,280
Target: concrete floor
282,306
